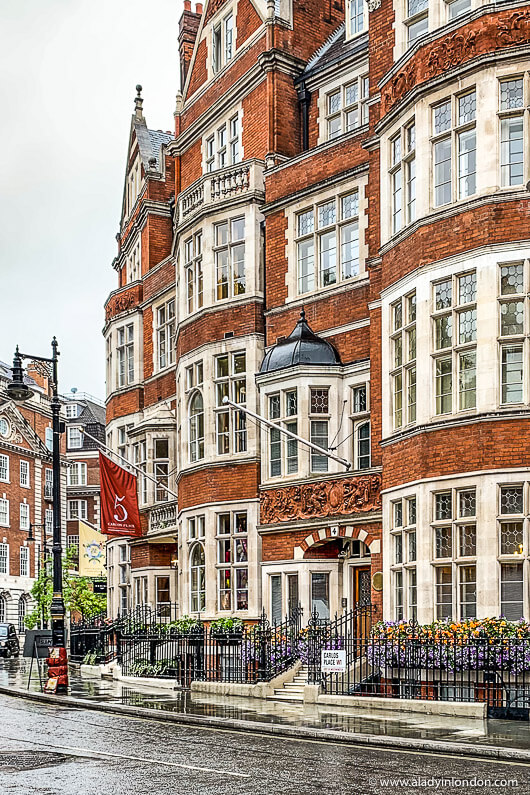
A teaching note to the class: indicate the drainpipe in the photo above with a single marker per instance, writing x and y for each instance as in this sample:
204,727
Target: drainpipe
304,98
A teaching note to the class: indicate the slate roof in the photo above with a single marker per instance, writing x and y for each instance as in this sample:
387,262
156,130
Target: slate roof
149,142
334,50
93,413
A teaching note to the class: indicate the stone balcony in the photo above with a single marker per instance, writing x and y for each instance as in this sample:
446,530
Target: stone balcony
226,185
163,518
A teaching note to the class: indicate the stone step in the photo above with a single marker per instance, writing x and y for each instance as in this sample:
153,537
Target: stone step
292,688
281,696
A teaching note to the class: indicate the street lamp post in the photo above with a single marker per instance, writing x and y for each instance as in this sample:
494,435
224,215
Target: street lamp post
20,392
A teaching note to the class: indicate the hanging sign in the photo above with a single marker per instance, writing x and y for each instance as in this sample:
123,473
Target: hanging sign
119,500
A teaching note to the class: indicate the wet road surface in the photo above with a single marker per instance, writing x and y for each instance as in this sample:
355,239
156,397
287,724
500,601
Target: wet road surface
51,749
509,734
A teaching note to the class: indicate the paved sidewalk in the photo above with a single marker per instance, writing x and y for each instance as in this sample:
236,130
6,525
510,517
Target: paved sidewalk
457,735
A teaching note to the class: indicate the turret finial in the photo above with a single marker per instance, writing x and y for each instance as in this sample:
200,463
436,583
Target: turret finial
302,314
138,102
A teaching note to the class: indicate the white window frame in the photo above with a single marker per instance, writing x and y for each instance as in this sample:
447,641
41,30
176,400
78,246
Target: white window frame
518,112
343,102
80,478
457,521
311,277
234,267
284,410
230,426
232,565
4,468
24,474
77,509
402,175
125,354
223,145
402,357
24,517
223,40
356,18
166,334
193,272
71,432
4,512
4,556
458,350
24,562
72,411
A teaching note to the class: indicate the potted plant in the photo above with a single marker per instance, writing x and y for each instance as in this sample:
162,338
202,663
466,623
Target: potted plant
226,630
192,628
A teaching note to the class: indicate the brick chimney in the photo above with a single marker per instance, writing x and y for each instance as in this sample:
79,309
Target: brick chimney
188,27
40,379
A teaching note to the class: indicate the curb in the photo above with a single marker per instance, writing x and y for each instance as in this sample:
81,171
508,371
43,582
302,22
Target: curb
281,730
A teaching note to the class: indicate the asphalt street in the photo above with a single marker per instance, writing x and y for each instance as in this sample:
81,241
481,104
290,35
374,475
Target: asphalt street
51,750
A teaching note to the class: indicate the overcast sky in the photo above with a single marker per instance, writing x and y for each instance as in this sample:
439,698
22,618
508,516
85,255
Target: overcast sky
68,70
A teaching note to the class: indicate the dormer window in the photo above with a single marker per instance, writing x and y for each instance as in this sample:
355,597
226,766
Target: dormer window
72,410
222,42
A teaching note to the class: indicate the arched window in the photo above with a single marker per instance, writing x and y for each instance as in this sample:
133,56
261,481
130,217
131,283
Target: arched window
22,609
197,579
362,452
196,427
3,609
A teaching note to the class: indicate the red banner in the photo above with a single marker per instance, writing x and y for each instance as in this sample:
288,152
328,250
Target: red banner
119,500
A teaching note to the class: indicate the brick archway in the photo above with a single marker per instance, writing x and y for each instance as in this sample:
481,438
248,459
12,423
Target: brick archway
331,533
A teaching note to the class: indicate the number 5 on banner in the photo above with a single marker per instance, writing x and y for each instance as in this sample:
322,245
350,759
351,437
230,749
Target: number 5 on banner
119,507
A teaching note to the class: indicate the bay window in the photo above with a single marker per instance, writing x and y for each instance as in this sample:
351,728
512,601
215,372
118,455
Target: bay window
125,353
193,271
230,381
512,122
230,258
232,561
165,318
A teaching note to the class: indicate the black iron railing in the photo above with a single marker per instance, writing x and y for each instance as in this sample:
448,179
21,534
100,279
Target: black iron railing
491,671
255,653
337,635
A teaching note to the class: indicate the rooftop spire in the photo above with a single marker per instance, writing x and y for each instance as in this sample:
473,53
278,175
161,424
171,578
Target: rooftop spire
138,102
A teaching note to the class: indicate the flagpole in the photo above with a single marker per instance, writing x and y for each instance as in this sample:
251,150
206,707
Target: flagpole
129,464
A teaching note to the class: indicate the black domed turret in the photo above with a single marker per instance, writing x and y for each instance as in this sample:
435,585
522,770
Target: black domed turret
302,346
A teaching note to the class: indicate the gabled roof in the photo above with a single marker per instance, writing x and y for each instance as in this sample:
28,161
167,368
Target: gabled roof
22,427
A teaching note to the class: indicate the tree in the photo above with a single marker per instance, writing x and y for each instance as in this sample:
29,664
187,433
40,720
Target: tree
77,592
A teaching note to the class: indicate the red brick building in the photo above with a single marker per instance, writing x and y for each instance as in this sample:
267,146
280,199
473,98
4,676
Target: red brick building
325,162
25,493
81,413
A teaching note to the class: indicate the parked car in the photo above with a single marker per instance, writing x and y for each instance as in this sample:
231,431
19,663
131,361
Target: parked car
9,643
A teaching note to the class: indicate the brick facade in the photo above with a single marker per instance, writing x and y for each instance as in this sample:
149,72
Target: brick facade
255,144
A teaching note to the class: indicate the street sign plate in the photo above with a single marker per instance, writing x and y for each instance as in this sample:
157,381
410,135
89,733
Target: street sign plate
333,661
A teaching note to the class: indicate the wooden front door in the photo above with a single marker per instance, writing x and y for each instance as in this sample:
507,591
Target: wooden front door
362,599
362,590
